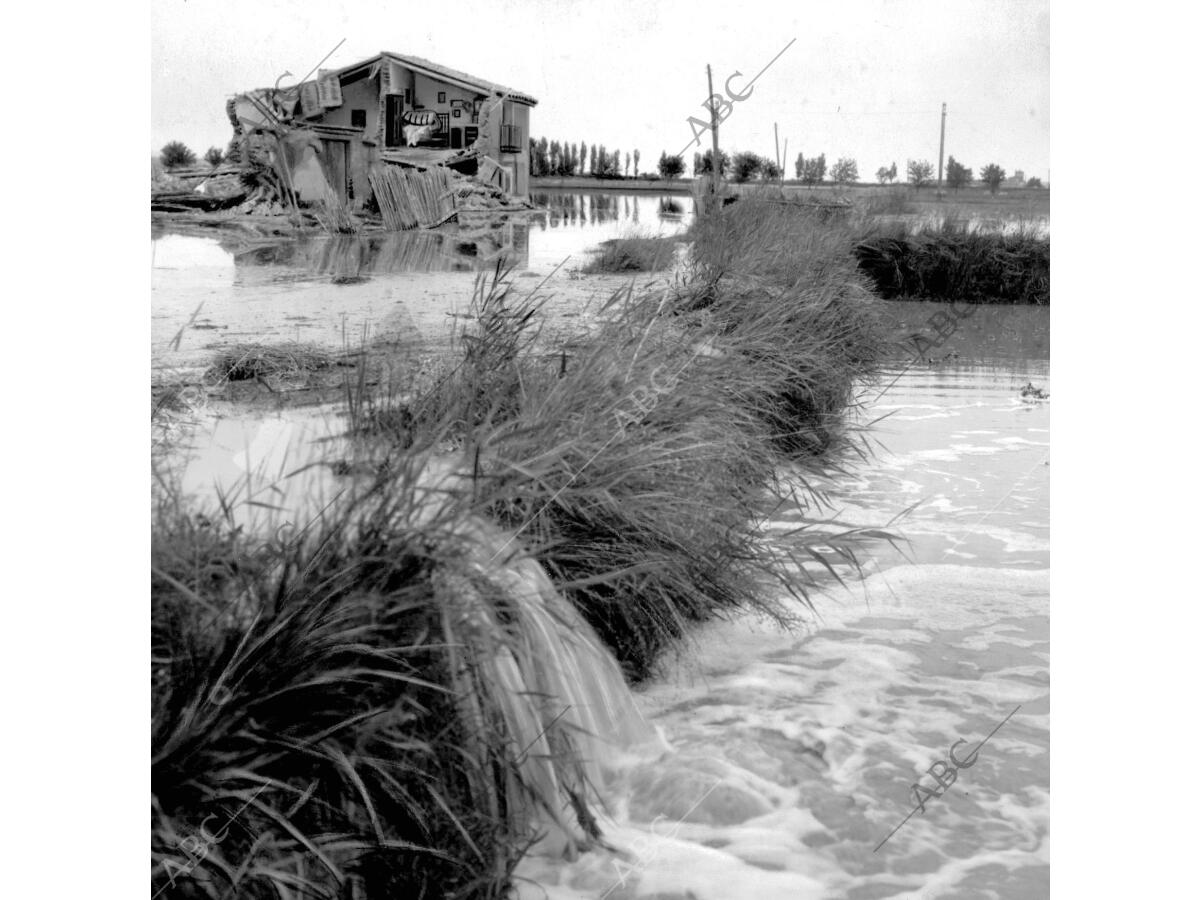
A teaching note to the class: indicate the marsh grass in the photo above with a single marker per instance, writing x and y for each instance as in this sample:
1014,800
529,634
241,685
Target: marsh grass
633,253
779,283
288,361
640,469
363,707
952,261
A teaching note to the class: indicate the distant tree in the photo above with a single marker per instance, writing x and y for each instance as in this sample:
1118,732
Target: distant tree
746,166
583,155
177,153
696,163
800,166
814,170
637,157
920,172
627,163
844,171
214,157
592,160
670,167
892,172
616,163
881,174
957,175
992,175
1034,182
771,170
706,162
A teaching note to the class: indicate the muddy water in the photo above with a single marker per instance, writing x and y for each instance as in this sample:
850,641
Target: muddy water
794,756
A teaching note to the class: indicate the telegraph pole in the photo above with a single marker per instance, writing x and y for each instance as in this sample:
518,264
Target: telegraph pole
777,163
716,161
941,149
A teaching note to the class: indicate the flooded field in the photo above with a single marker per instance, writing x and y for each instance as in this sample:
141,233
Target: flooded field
412,284
793,756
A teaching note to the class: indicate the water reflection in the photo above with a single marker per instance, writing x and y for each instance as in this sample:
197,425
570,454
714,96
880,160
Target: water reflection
352,260
652,210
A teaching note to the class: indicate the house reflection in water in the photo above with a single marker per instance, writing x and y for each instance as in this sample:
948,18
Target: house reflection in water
350,260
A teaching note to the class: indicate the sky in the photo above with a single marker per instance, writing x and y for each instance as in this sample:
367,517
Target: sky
864,79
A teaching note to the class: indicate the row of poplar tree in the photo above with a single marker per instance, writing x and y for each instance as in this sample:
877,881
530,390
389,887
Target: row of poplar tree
557,158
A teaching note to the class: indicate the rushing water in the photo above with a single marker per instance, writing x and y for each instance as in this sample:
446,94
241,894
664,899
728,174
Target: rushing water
793,756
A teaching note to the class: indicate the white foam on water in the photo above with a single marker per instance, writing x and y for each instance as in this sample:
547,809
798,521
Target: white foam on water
793,753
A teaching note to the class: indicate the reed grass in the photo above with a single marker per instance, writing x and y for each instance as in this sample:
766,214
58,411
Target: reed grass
779,284
252,361
640,464
378,705
632,253
953,262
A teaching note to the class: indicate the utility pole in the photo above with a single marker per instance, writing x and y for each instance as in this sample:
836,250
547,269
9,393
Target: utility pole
941,149
777,145
716,160
784,164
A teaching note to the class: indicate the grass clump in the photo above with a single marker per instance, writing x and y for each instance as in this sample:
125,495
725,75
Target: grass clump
641,466
289,361
954,262
632,254
379,705
779,284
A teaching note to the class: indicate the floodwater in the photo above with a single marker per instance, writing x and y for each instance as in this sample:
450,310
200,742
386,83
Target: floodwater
333,290
793,756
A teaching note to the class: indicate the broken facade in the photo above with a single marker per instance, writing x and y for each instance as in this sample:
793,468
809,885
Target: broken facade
328,136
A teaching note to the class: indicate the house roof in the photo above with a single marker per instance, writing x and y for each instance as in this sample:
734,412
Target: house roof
445,73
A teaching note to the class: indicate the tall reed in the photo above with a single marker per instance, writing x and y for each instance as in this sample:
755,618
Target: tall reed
391,702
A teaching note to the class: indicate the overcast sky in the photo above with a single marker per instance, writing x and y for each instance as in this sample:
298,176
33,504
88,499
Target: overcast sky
864,79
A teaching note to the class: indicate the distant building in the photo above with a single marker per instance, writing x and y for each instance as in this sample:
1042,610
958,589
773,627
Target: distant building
390,109
1016,180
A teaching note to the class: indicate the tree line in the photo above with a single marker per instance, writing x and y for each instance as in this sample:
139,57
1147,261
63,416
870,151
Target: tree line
558,158
565,159
555,158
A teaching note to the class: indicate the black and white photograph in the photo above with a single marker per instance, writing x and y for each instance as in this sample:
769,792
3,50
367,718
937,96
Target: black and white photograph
601,451
644,495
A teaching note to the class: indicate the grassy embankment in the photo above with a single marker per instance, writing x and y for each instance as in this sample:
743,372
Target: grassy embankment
907,248
366,707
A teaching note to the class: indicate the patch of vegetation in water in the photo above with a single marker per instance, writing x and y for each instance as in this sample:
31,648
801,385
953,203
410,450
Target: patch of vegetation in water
956,263
632,254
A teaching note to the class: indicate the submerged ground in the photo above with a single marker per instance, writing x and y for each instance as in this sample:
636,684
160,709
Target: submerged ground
793,755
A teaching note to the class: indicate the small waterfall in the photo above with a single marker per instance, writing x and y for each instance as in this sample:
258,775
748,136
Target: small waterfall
545,712
522,649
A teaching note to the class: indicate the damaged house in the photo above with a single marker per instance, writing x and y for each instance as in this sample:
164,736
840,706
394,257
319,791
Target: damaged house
333,135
